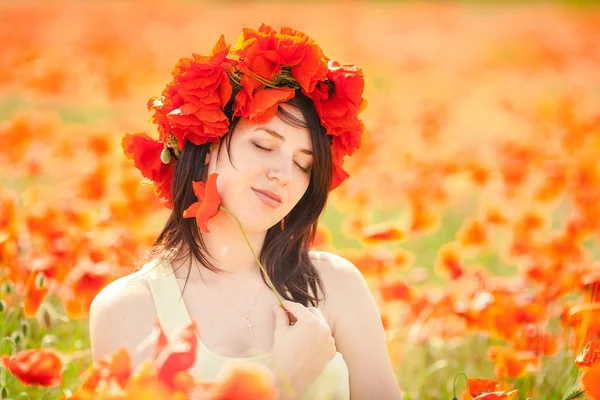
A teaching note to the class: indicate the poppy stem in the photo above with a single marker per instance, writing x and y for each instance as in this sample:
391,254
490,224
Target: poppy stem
454,384
270,283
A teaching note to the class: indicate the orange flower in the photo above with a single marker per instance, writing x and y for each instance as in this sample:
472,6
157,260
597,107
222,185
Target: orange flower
86,280
423,218
584,318
36,367
208,204
395,289
116,366
479,386
383,232
473,233
36,290
497,395
511,363
250,381
533,339
589,356
591,382
323,238
448,261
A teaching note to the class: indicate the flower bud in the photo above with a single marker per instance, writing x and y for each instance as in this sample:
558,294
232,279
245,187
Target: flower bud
25,327
8,288
3,305
40,279
46,316
17,337
165,156
4,393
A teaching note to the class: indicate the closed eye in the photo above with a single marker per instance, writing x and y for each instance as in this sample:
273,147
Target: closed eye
261,148
305,170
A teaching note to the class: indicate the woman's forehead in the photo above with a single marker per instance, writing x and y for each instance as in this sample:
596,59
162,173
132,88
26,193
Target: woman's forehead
279,127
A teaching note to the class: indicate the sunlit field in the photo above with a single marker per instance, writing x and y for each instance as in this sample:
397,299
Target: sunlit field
473,207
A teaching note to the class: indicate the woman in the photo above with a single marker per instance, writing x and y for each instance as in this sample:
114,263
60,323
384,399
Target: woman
273,119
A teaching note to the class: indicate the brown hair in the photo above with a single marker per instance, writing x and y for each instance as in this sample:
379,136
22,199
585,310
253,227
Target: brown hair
285,252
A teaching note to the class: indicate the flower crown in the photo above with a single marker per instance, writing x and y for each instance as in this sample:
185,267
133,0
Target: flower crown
263,69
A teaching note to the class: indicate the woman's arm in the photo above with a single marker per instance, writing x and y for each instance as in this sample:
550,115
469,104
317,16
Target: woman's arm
122,315
358,330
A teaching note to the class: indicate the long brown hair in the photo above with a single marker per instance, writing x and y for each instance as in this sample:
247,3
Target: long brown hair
285,252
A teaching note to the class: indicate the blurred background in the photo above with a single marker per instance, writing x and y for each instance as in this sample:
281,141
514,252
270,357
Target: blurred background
471,208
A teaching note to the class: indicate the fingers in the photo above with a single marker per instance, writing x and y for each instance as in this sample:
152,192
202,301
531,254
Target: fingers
301,312
297,309
281,318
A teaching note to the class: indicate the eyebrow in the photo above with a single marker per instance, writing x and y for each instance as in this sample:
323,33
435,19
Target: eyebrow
278,136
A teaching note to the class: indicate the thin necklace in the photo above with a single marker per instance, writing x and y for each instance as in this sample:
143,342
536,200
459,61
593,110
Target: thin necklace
247,314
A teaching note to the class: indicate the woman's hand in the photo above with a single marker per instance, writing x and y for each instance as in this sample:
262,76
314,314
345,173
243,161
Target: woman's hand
300,351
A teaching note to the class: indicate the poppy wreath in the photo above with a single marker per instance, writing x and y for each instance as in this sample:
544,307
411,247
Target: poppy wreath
263,69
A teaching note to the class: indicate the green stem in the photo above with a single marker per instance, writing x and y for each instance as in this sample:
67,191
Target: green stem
270,283
454,384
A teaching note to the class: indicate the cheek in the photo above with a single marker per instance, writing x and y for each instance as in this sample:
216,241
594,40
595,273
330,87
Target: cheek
297,194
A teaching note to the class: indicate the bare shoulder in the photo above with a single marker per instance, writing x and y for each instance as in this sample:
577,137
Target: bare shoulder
343,283
122,315
335,270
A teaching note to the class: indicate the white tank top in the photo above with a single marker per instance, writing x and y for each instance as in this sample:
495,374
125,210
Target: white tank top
332,384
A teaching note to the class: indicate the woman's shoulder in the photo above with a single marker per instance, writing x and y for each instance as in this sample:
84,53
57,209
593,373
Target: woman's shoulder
334,267
122,315
341,279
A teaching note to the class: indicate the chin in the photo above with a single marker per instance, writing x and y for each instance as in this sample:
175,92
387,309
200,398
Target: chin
253,219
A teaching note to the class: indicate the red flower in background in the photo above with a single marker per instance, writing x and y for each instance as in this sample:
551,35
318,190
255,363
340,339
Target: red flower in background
36,367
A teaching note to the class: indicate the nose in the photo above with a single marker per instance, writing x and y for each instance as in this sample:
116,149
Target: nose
281,170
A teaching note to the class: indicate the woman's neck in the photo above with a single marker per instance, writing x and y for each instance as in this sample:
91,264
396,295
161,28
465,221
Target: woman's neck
228,251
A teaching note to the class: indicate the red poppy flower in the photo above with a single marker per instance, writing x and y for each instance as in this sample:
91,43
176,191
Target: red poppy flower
36,367
388,231
479,386
145,153
339,110
590,380
497,395
208,204
258,53
36,290
176,356
589,356
261,105
309,64
116,366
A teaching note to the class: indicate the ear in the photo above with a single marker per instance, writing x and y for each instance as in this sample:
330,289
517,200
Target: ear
211,150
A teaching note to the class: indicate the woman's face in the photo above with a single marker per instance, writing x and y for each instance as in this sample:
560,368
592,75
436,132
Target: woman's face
272,170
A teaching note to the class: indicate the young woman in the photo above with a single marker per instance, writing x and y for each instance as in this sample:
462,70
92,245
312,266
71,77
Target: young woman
274,118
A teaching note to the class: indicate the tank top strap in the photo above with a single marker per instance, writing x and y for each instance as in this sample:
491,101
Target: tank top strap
168,301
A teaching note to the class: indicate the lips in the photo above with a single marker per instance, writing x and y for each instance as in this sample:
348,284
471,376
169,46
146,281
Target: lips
268,197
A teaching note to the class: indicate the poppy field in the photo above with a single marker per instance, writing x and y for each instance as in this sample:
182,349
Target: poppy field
472,210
